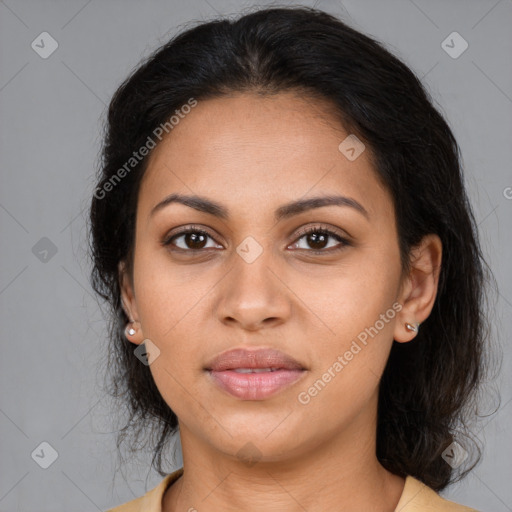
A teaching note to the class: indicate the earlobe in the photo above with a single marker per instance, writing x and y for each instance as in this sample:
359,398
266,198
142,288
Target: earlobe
133,333
414,327
420,289
406,331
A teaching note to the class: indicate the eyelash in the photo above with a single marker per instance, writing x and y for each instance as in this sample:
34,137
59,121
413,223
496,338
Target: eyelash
167,241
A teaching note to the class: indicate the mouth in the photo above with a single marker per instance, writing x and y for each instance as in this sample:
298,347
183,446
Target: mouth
254,374
255,370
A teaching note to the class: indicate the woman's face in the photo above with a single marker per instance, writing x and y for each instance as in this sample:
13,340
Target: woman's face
256,280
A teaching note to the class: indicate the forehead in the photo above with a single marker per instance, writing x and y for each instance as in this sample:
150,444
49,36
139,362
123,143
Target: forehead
284,122
244,146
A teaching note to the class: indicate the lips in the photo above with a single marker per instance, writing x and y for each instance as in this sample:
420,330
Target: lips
253,359
254,374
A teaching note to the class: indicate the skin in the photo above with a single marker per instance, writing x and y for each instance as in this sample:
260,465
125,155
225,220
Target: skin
252,155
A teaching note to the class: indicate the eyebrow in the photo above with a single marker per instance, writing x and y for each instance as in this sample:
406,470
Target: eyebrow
286,211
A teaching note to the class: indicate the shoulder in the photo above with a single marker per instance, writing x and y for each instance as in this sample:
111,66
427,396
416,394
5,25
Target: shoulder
417,497
152,500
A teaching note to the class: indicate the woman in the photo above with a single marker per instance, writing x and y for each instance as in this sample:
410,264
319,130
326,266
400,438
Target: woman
281,228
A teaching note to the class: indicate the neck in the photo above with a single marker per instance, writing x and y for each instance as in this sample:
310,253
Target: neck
342,473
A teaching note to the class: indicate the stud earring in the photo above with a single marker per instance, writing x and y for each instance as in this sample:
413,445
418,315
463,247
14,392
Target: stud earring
129,331
414,327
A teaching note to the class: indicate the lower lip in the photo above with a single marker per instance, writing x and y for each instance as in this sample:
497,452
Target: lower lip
255,386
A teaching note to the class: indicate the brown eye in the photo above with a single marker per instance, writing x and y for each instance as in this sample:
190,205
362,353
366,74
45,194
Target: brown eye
320,241
317,240
190,240
195,240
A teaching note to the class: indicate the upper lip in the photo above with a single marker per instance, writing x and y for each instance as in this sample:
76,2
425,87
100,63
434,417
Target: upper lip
256,358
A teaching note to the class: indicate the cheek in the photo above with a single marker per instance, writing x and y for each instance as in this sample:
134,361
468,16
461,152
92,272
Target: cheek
169,304
168,294
359,309
345,378
351,297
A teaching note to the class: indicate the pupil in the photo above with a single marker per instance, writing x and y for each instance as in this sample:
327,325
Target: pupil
315,238
195,240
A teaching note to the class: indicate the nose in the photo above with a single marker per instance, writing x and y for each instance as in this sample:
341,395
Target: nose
252,295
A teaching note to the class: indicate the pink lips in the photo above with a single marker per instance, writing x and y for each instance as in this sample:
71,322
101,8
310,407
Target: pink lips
230,370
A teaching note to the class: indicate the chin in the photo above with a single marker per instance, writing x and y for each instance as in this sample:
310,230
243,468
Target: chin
262,442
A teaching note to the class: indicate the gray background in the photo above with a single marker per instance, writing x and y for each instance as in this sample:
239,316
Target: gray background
52,330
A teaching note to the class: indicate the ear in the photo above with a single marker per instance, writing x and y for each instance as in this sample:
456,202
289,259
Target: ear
419,288
129,305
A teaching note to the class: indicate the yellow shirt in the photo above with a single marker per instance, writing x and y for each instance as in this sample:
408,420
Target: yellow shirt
416,497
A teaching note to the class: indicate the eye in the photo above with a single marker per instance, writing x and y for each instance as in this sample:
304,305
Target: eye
190,239
321,241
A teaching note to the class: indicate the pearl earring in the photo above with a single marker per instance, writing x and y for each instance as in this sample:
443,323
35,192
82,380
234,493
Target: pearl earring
130,330
414,327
